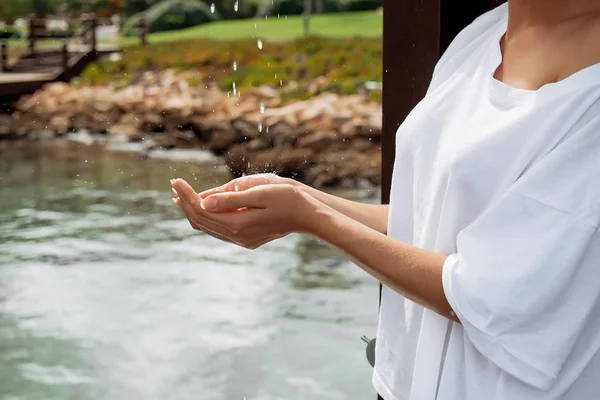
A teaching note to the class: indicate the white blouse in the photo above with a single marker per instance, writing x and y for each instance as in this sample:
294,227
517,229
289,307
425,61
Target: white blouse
507,183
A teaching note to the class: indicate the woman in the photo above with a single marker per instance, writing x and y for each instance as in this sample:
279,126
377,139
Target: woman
489,250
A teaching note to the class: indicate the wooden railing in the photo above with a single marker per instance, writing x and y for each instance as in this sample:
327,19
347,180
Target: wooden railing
83,30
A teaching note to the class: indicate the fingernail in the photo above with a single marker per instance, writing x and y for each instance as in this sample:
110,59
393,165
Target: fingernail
172,181
174,201
209,204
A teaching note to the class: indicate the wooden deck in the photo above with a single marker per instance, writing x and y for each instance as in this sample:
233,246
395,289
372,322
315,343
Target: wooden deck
39,66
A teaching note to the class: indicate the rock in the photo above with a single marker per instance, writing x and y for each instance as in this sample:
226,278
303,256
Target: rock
359,127
60,124
152,122
128,125
318,140
58,89
45,134
282,134
5,126
218,135
248,126
286,162
328,139
164,142
319,124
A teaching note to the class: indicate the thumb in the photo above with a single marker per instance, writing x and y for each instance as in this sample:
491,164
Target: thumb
231,201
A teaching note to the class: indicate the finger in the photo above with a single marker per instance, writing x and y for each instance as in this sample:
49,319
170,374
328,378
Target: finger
187,194
231,201
218,189
189,214
174,193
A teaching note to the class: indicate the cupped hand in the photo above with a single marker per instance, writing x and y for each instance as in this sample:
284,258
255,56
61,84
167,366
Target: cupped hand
250,217
248,182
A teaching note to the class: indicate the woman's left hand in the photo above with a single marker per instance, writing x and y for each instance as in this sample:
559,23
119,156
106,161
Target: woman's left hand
249,218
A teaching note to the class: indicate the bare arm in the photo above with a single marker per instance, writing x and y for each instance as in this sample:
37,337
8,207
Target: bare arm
375,216
410,271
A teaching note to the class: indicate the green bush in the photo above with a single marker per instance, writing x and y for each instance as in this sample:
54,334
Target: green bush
347,63
9,31
296,7
171,15
245,9
363,5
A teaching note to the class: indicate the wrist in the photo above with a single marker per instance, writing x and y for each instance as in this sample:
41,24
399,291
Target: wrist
307,212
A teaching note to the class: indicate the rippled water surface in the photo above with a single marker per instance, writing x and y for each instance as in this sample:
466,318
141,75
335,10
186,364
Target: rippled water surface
106,293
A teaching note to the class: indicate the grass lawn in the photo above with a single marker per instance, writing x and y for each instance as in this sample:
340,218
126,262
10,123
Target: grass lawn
329,25
364,24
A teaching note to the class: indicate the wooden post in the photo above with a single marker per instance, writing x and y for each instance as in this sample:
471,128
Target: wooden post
306,16
143,31
93,26
65,58
4,56
31,36
411,48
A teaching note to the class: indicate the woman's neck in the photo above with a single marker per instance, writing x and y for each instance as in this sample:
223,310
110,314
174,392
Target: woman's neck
527,13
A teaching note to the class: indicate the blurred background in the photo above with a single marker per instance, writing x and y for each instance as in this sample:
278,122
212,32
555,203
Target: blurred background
105,291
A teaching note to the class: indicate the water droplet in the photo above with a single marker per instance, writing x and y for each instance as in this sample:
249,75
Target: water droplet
212,8
262,107
260,127
236,6
235,66
259,43
234,89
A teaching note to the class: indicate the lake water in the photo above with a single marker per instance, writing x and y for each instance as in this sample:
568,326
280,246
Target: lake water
107,294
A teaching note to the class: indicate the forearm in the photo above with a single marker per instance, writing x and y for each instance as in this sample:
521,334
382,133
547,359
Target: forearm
375,216
415,273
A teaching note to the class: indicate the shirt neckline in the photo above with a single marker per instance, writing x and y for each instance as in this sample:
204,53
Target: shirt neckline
512,96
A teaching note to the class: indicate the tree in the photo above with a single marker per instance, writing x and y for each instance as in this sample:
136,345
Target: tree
42,8
12,9
136,6
307,12
319,6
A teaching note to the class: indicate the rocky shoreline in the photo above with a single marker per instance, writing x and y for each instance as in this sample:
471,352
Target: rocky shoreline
328,140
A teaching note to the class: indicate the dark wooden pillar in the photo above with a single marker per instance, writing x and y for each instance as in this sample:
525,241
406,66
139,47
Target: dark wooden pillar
411,47
143,31
4,56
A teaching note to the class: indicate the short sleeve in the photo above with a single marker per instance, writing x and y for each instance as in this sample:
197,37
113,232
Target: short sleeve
525,278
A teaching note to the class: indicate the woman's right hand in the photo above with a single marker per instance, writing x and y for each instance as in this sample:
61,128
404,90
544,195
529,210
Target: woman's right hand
248,182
